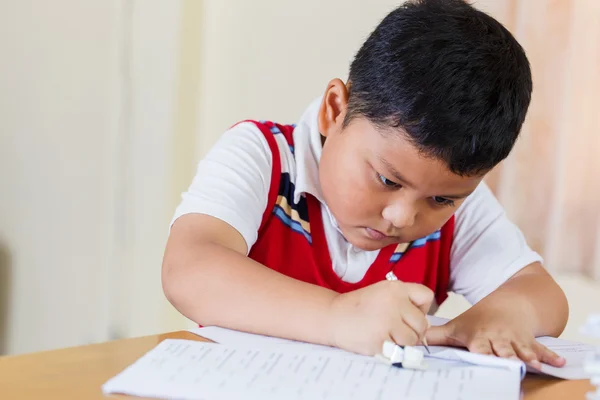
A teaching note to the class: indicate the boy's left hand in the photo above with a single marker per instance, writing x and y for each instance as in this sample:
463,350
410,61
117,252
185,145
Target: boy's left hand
498,333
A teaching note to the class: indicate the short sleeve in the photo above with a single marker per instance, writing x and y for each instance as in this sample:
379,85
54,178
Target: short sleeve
232,182
487,249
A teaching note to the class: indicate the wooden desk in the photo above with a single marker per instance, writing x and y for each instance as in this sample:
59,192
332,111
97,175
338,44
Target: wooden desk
78,372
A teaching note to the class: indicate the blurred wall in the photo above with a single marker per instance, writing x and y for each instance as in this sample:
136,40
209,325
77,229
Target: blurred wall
57,86
86,105
270,59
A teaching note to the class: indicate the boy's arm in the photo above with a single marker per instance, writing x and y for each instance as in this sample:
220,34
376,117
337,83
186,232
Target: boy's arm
208,278
505,322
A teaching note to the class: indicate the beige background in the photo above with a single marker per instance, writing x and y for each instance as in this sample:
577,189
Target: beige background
106,106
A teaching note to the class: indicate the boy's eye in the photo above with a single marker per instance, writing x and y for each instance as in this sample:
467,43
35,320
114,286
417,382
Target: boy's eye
387,182
441,201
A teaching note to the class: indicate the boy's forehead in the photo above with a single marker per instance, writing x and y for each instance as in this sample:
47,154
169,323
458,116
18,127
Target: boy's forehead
392,150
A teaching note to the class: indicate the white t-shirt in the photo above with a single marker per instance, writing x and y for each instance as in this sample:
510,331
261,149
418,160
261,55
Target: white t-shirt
232,183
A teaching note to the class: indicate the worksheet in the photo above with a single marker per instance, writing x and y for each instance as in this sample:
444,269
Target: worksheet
184,369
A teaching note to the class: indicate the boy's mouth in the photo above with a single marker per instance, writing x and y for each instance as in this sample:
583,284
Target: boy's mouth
376,235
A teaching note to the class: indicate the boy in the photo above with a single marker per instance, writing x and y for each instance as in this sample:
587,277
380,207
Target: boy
347,228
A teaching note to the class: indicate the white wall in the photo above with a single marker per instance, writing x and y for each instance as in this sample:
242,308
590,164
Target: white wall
56,85
145,212
269,58
86,93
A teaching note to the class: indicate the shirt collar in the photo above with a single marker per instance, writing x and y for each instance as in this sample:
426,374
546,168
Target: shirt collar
308,149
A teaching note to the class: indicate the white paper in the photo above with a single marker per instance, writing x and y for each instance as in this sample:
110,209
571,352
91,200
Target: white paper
244,339
574,352
197,370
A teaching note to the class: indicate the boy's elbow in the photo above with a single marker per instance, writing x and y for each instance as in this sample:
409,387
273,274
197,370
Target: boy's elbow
563,311
175,277
554,308
174,272
184,287
169,281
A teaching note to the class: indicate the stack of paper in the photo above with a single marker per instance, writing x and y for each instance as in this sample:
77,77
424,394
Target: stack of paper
246,366
592,363
184,369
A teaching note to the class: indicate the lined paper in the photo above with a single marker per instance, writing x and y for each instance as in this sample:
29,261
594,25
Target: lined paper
196,370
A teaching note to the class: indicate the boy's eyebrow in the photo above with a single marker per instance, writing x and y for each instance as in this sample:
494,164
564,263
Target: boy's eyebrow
457,196
402,180
395,173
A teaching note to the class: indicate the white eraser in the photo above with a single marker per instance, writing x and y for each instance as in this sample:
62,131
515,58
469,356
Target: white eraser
410,357
413,358
393,352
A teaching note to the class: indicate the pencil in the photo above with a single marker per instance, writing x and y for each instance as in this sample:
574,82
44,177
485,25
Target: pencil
426,345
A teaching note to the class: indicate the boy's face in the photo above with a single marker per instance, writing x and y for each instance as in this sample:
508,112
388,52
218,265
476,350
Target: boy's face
378,186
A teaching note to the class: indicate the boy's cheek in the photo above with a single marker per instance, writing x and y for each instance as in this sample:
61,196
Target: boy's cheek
353,205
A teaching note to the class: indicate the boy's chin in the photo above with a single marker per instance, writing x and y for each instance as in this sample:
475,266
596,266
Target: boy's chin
365,243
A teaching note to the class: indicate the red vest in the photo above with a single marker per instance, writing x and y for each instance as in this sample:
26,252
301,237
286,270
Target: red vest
291,239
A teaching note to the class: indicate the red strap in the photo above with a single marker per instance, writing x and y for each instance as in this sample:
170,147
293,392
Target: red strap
275,171
443,278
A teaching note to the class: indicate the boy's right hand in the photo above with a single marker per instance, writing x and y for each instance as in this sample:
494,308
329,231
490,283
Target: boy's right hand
388,310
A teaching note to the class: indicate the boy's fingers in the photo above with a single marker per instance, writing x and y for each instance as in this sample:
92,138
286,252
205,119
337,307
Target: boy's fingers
439,336
547,356
403,335
526,353
503,348
420,295
481,346
414,318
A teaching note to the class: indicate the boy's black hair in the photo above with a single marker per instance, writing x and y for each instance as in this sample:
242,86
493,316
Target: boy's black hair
449,75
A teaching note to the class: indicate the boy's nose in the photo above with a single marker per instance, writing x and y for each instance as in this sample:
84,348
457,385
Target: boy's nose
400,215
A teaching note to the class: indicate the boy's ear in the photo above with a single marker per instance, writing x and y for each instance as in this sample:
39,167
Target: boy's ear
333,107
